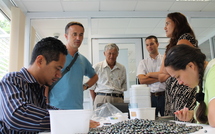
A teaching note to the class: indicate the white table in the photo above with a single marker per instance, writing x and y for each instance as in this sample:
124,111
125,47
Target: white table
206,128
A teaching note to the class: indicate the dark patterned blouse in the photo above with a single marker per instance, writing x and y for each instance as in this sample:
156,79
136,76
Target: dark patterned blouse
179,96
190,38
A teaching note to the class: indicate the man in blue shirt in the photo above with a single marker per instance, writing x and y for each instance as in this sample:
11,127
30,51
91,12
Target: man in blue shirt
68,92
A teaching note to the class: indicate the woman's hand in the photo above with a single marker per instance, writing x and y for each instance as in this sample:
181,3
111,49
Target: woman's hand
184,114
94,124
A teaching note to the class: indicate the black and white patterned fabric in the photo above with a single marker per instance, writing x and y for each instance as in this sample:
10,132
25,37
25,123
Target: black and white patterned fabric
178,96
190,38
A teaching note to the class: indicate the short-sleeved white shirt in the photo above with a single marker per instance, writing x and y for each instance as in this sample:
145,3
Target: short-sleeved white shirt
152,65
110,80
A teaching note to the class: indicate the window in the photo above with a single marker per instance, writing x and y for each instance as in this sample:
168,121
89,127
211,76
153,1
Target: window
205,48
4,44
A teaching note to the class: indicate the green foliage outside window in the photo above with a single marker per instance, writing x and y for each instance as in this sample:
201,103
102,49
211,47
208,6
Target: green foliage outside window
5,25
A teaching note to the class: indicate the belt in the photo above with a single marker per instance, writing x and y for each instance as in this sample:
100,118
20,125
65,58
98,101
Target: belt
110,94
158,93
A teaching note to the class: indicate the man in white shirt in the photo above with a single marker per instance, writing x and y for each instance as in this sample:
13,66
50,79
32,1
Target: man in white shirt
147,73
112,78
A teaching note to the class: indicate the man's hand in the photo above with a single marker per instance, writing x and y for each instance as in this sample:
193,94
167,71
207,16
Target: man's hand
94,124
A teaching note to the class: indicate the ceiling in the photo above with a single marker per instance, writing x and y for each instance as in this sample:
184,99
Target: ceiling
114,5
117,18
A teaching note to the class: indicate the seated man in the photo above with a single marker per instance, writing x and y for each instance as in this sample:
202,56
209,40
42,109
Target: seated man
23,107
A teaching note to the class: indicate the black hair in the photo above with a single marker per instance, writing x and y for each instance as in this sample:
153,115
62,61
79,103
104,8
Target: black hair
71,24
152,37
177,58
50,48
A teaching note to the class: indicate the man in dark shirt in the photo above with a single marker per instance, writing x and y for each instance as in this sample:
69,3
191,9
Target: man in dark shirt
23,108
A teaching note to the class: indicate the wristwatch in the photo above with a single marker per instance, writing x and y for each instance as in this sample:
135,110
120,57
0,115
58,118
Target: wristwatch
86,85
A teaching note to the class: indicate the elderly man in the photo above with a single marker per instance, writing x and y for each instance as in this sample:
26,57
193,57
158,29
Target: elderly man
112,78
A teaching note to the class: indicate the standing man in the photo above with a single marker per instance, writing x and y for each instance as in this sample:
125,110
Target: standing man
112,78
68,92
23,107
147,73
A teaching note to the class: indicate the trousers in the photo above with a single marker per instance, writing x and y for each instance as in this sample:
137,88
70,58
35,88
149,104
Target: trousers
159,103
105,99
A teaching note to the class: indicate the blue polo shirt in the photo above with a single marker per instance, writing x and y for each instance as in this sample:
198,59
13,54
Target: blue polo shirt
68,92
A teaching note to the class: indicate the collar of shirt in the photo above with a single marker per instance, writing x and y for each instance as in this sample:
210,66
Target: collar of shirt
105,64
27,76
32,81
155,57
76,53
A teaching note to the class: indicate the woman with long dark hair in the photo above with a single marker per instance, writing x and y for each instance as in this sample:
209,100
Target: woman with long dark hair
177,96
187,64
